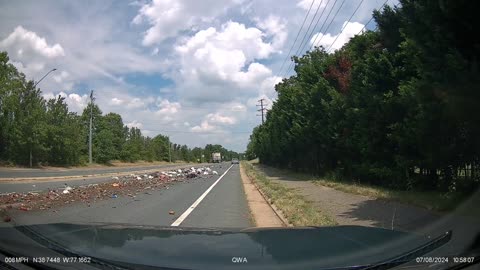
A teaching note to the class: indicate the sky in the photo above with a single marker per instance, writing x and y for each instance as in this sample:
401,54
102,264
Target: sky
192,70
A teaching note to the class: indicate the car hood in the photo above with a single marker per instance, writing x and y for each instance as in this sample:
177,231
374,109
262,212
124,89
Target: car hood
193,248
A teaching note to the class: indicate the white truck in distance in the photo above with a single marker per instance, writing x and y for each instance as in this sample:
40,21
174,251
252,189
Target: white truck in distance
216,157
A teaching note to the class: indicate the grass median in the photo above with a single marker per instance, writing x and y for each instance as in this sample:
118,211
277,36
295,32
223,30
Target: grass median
295,208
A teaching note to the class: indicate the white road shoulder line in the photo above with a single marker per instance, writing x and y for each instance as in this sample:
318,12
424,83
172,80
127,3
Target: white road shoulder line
185,214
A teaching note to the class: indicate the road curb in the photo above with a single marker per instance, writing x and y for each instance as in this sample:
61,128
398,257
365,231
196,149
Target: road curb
275,209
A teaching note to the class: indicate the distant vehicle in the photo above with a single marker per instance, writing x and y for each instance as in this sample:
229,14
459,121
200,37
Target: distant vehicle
216,157
234,160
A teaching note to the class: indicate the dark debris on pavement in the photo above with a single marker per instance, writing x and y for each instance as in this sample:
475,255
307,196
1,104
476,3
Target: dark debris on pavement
130,186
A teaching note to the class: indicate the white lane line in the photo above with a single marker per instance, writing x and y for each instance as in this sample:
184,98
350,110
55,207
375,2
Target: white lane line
185,214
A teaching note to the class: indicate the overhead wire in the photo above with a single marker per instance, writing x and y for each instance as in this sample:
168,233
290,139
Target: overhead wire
303,47
344,26
328,26
296,38
363,28
306,32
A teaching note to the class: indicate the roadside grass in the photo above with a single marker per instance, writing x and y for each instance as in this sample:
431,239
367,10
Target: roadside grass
431,200
295,208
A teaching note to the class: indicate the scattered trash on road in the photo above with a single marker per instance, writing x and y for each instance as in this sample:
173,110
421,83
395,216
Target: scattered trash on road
171,212
67,189
118,186
7,218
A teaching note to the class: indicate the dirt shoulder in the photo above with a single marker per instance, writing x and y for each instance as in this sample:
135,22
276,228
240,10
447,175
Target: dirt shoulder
262,213
353,209
296,209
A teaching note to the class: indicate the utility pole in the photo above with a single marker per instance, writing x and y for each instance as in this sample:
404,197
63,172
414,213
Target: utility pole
35,86
91,122
262,109
169,151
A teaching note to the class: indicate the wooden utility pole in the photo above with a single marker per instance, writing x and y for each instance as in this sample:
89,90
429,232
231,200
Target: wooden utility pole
91,123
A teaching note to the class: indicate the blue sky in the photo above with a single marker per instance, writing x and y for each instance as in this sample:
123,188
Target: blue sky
192,70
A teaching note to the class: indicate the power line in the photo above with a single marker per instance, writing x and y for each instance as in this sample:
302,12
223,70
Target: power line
321,27
308,29
296,38
262,109
326,19
344,26
302,46
363,28
331,21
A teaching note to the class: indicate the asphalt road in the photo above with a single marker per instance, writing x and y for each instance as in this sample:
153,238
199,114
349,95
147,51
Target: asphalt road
44,185
224,206
8,187
29,173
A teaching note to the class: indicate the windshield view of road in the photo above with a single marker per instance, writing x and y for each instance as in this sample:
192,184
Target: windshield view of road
306,134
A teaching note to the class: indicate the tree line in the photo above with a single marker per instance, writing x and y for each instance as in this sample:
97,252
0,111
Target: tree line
396,107
36,131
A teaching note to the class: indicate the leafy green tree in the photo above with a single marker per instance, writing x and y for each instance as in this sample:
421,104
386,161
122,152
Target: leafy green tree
105,150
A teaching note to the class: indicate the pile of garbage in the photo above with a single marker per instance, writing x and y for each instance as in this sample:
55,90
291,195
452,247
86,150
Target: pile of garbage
129,185
190,172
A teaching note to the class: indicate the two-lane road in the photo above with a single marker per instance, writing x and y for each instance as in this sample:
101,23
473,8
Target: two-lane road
214,201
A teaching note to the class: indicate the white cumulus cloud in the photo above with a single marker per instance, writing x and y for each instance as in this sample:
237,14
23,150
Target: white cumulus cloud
350,29
166,107
75,102
135,124
222,64
116,101
275,27
167,18
305,4
25,43
217,118
203,127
